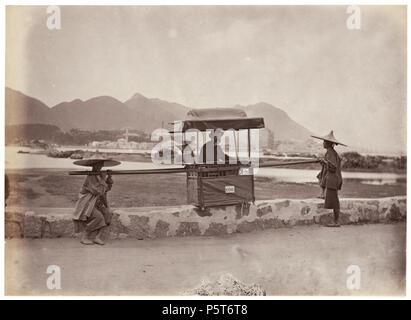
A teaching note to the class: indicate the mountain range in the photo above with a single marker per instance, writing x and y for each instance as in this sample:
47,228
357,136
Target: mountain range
138,112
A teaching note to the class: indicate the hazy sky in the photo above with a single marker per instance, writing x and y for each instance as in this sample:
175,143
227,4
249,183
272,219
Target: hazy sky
301,59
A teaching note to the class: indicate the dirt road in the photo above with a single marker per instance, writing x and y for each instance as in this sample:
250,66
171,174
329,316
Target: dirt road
296,261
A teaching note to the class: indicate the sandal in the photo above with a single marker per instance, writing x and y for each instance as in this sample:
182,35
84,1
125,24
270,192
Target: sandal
86,241
99,241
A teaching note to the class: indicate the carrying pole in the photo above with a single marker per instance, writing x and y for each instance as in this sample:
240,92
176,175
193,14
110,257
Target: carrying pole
120,172
175,170
263,165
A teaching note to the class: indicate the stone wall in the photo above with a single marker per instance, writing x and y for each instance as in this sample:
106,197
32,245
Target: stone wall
155,222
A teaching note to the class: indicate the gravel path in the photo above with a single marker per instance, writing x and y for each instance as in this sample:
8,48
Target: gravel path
309,260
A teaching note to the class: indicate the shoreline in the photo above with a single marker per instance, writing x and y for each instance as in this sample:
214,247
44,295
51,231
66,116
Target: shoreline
144,159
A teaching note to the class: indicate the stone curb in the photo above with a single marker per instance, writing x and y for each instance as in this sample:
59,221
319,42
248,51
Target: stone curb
158,222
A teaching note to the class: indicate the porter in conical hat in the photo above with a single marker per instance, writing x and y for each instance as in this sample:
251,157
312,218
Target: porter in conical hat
92,212
330,137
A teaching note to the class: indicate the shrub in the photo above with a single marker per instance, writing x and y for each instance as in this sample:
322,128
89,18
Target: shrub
355,160
401,162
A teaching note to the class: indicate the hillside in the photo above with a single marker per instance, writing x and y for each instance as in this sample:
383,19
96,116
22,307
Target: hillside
138,112
153,113
94,114
278,121
22,109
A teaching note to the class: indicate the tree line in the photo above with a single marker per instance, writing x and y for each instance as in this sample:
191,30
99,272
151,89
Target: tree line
51,134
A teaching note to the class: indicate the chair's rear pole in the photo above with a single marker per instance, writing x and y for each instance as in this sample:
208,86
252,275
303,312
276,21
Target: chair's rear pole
120,172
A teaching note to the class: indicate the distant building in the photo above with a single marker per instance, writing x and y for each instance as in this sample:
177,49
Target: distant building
122,143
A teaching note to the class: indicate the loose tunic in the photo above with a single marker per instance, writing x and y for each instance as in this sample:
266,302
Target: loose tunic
330,178
92,211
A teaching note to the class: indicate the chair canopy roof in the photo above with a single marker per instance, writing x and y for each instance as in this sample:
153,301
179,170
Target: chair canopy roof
220,118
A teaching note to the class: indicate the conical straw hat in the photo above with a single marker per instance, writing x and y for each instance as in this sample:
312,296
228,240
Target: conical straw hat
95,159
330,137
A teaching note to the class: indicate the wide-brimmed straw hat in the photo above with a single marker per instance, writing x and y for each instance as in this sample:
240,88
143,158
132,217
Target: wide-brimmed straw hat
96,159
330,137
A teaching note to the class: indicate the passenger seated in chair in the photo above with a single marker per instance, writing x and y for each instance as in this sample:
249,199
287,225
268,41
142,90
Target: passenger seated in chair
211,152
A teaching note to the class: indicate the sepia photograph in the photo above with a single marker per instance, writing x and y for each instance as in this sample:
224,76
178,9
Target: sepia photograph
205,150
